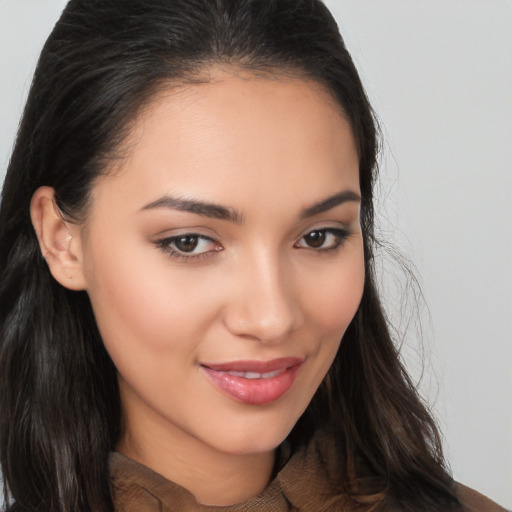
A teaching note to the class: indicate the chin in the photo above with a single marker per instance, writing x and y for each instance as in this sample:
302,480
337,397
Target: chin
246,441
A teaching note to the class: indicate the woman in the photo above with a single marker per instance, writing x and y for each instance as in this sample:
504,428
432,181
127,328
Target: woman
188,310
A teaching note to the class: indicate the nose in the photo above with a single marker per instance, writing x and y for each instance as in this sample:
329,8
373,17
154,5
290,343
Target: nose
264,304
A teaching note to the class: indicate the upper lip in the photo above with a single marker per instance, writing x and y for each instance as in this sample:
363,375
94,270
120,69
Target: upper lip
281,363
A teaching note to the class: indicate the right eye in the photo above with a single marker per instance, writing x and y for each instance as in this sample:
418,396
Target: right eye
188,246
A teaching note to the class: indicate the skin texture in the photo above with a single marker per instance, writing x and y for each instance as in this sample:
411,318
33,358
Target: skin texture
253,288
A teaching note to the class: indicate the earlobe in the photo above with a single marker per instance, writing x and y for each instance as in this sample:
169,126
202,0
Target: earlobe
59,240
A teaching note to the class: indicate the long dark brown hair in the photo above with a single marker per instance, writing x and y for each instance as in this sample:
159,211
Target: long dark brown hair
60,410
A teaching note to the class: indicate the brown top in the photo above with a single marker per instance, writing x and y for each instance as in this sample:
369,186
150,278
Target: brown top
301,486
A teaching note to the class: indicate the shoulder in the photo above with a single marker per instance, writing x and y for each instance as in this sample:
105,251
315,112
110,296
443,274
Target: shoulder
473,501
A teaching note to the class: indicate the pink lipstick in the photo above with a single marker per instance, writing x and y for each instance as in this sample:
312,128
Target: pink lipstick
254,382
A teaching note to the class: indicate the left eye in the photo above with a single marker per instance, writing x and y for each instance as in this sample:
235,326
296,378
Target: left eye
188,245
323,239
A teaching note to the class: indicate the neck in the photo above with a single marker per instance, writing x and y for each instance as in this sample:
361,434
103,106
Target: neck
213,477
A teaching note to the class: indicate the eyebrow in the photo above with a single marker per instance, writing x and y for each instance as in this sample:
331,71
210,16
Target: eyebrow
216,211
330,203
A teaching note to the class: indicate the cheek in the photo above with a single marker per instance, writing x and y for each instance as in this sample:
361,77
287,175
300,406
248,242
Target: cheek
144,310
333,298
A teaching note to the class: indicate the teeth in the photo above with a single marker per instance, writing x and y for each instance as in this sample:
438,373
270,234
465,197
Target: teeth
275,373
252,375
237,374
255,375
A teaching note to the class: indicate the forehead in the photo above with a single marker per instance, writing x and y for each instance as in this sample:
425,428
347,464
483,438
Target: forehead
238,132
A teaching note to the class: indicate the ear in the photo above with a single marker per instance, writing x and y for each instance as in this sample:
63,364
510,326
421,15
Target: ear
60,241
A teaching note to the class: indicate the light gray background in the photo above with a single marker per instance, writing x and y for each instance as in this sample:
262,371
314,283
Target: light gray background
439,74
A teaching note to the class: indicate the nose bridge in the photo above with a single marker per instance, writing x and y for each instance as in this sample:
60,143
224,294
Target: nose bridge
265,305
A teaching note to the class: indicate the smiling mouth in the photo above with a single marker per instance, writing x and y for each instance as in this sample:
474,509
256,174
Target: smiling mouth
254,382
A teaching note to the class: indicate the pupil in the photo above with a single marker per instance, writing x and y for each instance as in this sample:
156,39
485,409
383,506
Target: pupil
315,238
186,243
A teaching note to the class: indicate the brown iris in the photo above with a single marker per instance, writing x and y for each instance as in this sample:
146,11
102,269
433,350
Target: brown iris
186,243
315,238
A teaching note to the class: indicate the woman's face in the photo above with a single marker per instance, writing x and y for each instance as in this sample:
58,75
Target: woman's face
224,260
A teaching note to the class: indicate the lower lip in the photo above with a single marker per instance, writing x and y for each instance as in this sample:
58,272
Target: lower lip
253,391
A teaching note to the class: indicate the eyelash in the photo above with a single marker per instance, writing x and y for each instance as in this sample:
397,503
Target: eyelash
166,244
339,234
